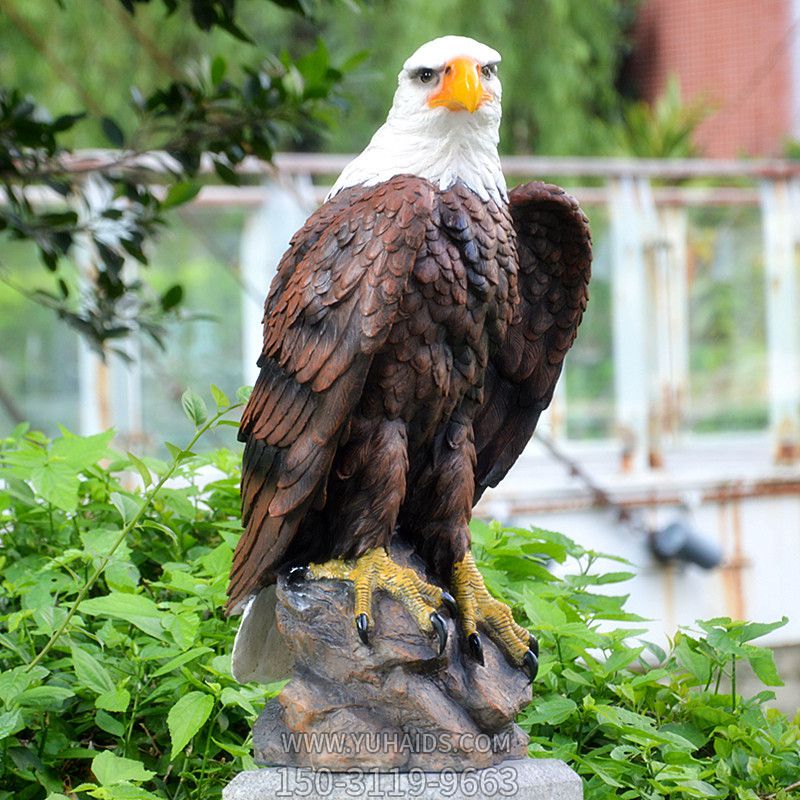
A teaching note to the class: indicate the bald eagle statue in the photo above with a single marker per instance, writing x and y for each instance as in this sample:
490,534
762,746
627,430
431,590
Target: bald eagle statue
413,334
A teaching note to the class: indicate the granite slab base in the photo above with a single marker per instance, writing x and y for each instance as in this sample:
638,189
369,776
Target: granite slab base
524,779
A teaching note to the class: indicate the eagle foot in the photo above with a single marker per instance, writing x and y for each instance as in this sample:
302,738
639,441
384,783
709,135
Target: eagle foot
376,570
478,608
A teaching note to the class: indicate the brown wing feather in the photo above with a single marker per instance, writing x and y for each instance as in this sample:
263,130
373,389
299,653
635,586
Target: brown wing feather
330,308
555,254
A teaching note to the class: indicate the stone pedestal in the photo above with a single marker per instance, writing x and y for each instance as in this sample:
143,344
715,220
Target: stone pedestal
523,779
395,704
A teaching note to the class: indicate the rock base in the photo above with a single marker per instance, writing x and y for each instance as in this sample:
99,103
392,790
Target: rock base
527,779
393,705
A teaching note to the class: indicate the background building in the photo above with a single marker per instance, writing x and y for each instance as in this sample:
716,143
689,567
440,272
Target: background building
739,57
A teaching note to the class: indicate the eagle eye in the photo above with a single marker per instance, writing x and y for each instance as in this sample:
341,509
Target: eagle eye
426,75
489,70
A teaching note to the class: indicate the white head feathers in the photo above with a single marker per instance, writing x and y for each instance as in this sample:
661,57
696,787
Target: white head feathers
444,122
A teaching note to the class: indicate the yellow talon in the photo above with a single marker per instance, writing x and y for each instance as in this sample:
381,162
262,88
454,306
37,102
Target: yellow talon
477,607
376,570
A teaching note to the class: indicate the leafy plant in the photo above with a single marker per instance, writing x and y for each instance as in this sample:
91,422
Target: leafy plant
633,720
663,129
101,211
115,660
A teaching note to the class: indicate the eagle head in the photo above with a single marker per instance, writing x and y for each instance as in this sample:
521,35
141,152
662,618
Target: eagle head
452,73
444,123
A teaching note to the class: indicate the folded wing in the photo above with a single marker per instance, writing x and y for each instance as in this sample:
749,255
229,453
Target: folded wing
330,308
555,254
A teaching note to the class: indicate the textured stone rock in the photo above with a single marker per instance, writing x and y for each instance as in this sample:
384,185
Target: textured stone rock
395,704
523,779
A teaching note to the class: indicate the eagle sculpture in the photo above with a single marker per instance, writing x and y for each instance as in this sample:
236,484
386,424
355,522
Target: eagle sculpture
413,334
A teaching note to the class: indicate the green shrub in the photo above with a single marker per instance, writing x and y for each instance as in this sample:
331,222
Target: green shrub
135,699
635,721
115,659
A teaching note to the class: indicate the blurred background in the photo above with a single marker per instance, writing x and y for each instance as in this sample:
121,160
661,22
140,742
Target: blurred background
674,438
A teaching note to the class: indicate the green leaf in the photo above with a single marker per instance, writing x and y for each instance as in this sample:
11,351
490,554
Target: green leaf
226,173
552,711
237,697
575,677
112,132
128,507
11,722
696,663
127,791
110,769
639,728
58,484
218,69
543,613
220,398
752,630
183,628
177,453
186,718
20,430
194,407
698,788
614,577
180,193
15,681
81,452
90,672
45,698
141,467
686,731
115,700
98,543
172,297
179,661
243,393
763,664
133,608
109,724
354,60
121,576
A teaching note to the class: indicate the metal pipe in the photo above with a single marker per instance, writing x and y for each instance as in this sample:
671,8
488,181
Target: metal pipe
569,166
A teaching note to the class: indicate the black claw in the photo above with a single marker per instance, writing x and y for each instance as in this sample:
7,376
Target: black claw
533,643
297,575
449,603
441,630
362,626
530,665
476,648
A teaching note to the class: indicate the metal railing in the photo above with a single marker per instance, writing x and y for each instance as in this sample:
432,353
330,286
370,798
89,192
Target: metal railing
646,201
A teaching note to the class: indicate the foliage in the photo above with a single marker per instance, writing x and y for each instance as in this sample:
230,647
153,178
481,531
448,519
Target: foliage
727,320
791,149
664,129
219,13
561,58
560,63
134,698
589,376
115,661
633,720
101,212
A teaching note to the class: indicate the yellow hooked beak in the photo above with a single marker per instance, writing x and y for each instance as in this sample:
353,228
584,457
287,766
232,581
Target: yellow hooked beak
461,88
